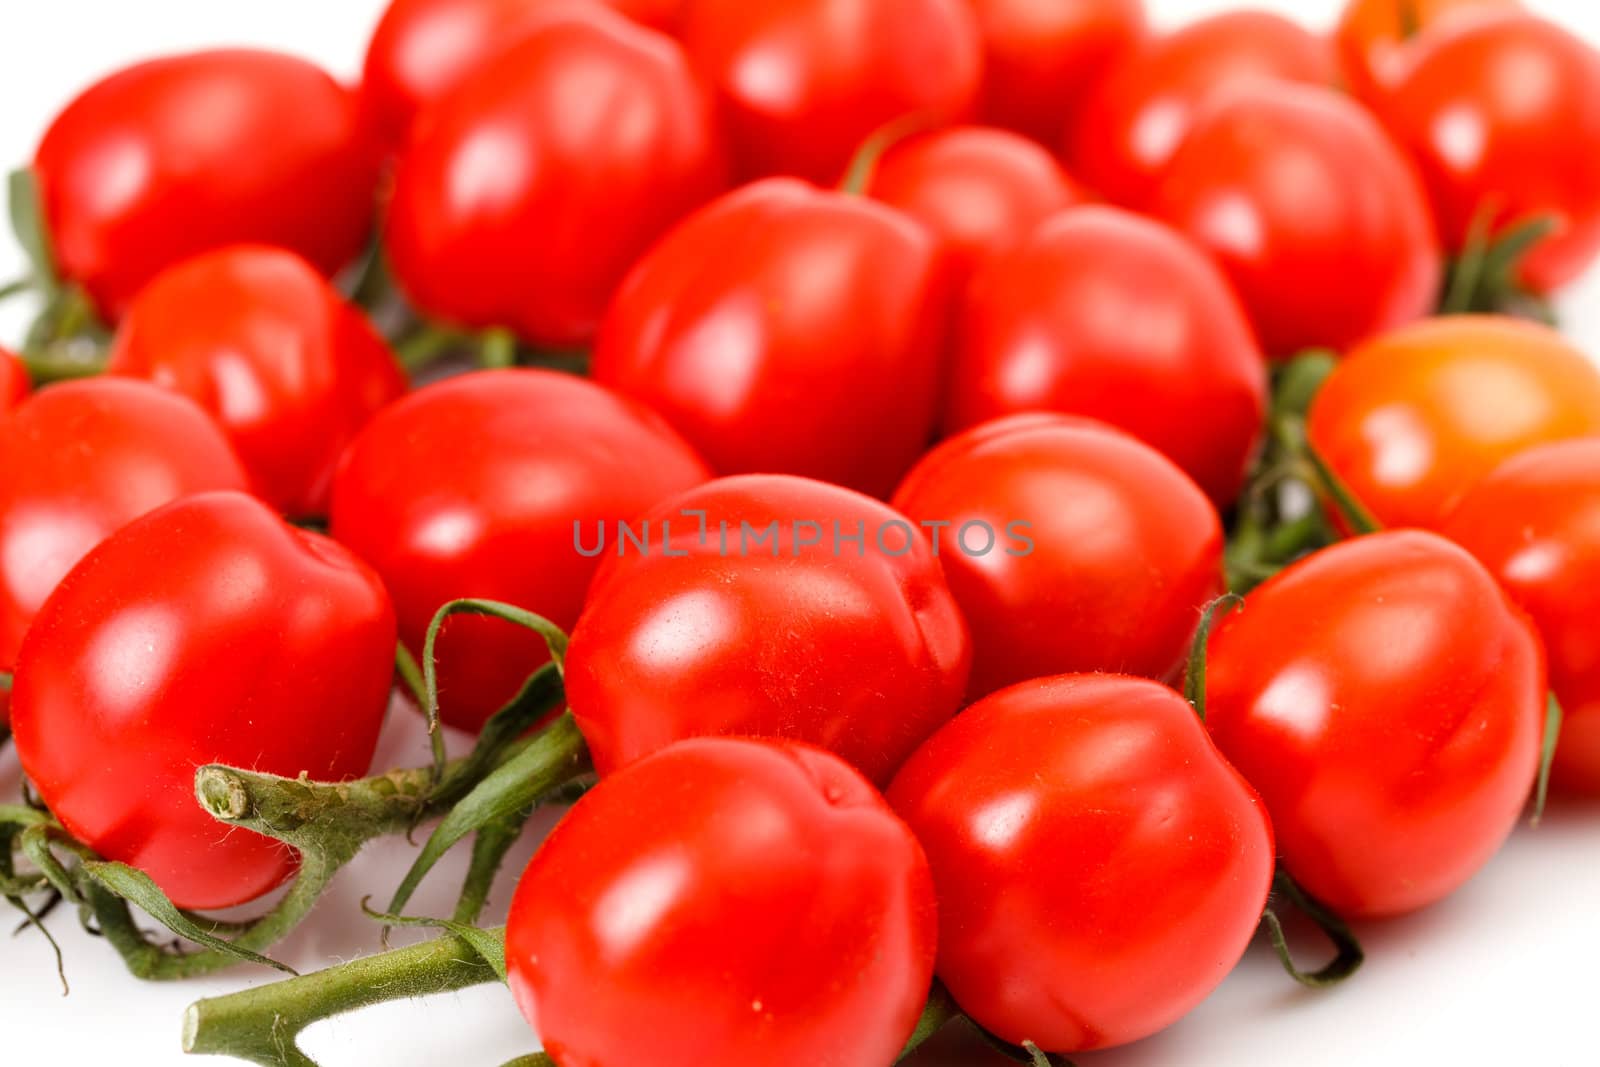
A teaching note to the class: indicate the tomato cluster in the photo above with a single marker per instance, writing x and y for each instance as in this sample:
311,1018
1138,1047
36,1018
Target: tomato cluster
981,503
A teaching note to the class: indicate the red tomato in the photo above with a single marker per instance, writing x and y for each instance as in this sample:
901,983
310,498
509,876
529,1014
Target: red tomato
768,621
80,460
13,381
209,631
804,82
980,190
1414,419
478,487
1132,124
1535,522
1102,556
1387,699
1378,39
172,157
1316,217
738,902
422,49
1041,57
787,329
1099,866
1503,115
1106,314
515,206
290,369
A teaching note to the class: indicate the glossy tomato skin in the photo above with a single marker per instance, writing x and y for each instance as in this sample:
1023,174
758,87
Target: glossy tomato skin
1137,116
726,902
1105,551
1395,739
82,459
787,329
169,158
856,647
514,208
14,384
980,190
1315,216
1496,141
1378,39
1535,523
209,631
472,488
1100,867
1415,418
288,367
1042,57
422,49
802,83
1103,313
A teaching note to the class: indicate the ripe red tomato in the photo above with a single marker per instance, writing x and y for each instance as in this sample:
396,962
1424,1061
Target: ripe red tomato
980,190
1132,123
1106,314
82,459
1535,522
533,187
14,383
209,631
287,366
423,49
767,620
1102,556
739,902
803,82
1503,115
172,157
479,486
1317,218
1041,57
1415,418
787,329
1378,39
1395,736
1099,866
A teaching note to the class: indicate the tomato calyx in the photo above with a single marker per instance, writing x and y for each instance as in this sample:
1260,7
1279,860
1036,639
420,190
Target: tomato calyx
1484,277
1553,718
1194,675
1348,954
66,339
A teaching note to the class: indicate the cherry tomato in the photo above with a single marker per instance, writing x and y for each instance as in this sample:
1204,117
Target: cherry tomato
1106,314
1415,418
1501,114
14,383
768,605
515,207
980,190
79,461
209,631
1099,866
1378,39
1535,522
290,369
169,158
803,82
1070,547
1386,698
1041,57
1133,122
786,329
422,49
738,902
480,486
1319,221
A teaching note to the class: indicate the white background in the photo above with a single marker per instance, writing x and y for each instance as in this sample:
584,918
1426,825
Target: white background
1501,973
